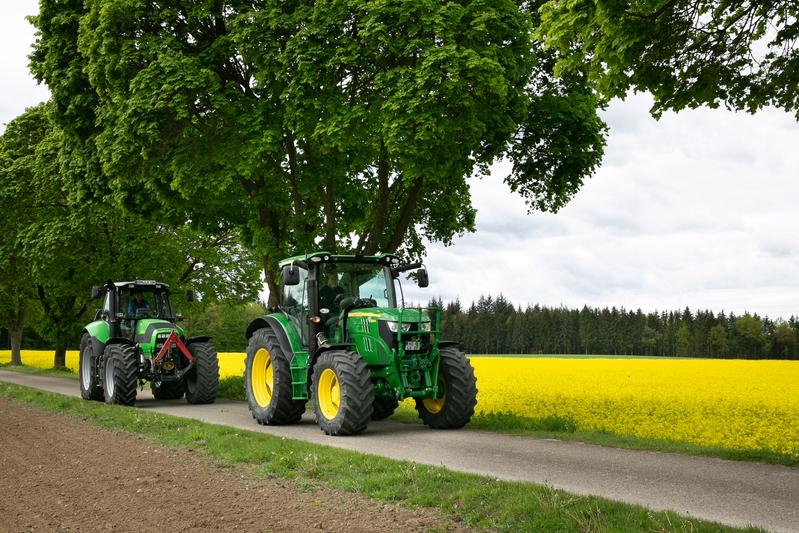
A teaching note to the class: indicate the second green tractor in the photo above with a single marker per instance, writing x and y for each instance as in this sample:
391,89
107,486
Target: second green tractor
340,339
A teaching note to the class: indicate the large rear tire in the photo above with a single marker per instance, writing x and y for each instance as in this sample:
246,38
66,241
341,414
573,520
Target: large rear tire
120,370
90,388
168,390
457,393
267,381
202,381
342,393
383,408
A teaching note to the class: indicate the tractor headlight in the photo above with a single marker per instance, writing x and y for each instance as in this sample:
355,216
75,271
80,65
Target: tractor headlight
425,327
392,326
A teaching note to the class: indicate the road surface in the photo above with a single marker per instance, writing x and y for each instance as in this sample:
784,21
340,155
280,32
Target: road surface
732,492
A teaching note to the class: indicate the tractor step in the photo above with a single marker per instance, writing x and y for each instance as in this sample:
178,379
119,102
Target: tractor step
299,376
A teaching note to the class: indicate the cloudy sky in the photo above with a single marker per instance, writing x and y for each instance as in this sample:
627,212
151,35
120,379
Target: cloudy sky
698,209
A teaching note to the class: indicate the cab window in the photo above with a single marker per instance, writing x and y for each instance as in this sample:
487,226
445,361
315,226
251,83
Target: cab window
294,302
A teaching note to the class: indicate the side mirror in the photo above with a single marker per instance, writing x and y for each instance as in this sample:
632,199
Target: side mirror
291,275
178,317
95,292
189,295
422,279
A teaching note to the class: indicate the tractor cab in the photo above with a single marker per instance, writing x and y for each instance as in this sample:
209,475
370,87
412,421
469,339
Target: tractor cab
128,304
322,291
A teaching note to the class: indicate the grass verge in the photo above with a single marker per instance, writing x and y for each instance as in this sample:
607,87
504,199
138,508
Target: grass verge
61,372
478,501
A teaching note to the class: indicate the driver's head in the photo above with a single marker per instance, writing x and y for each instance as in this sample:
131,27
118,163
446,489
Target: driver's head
138,296
332,279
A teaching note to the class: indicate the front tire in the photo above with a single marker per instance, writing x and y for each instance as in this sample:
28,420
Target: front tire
342,393
120,372
202,381
90,388
383,408
168,390
457,393
267,381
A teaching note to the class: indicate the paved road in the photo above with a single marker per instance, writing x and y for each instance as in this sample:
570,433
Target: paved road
732,492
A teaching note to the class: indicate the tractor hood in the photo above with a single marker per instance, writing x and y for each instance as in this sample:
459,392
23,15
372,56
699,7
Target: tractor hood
146,327
391,314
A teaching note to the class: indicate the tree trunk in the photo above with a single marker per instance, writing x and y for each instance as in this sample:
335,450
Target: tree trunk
15,335
271,283
60,355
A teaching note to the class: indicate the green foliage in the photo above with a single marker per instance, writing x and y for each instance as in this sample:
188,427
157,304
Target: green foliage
61,244
492,325
226,323
687,53
351,123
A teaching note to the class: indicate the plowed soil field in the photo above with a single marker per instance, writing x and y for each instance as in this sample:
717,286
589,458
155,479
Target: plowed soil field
60,473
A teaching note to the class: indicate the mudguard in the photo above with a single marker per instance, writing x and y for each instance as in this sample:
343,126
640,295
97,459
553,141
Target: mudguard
448,344
197,339
119,340
280,331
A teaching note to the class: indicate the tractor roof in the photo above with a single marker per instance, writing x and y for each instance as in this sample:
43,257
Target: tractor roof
327,257
141,284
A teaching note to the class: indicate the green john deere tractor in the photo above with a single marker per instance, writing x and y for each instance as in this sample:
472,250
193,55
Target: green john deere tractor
134,338
339,338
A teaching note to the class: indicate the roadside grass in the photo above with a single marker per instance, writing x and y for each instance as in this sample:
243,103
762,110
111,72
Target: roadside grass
231,388
60,372
476,500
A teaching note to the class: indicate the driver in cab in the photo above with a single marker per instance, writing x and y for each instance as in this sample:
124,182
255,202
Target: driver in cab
138,302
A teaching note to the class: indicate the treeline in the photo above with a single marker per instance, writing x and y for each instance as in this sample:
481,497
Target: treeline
494,325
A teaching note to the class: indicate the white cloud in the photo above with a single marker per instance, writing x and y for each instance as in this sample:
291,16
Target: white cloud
697,209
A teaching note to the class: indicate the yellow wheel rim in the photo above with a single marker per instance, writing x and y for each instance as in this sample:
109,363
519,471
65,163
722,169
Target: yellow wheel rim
435,405
262,377
328,394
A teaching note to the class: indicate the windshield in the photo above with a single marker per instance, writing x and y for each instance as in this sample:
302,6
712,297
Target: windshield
143,302
342,280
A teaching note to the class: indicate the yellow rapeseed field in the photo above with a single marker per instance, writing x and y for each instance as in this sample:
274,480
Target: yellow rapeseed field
727,403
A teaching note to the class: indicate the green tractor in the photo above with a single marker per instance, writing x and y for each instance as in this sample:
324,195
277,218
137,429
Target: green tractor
339,338
134,338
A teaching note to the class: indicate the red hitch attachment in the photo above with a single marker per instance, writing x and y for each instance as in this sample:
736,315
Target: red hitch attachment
173,339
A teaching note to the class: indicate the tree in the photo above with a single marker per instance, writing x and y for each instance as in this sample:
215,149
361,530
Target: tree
16,151
718,341
687,53
750,331
351,125
785,340
71,243
683,340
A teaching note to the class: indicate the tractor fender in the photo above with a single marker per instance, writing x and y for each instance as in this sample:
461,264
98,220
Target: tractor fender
119,340
197,339
449,344
277,327
97,345
255,325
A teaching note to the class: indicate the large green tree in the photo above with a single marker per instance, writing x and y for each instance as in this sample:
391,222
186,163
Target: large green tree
70,243
687,53
17,153
346,124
